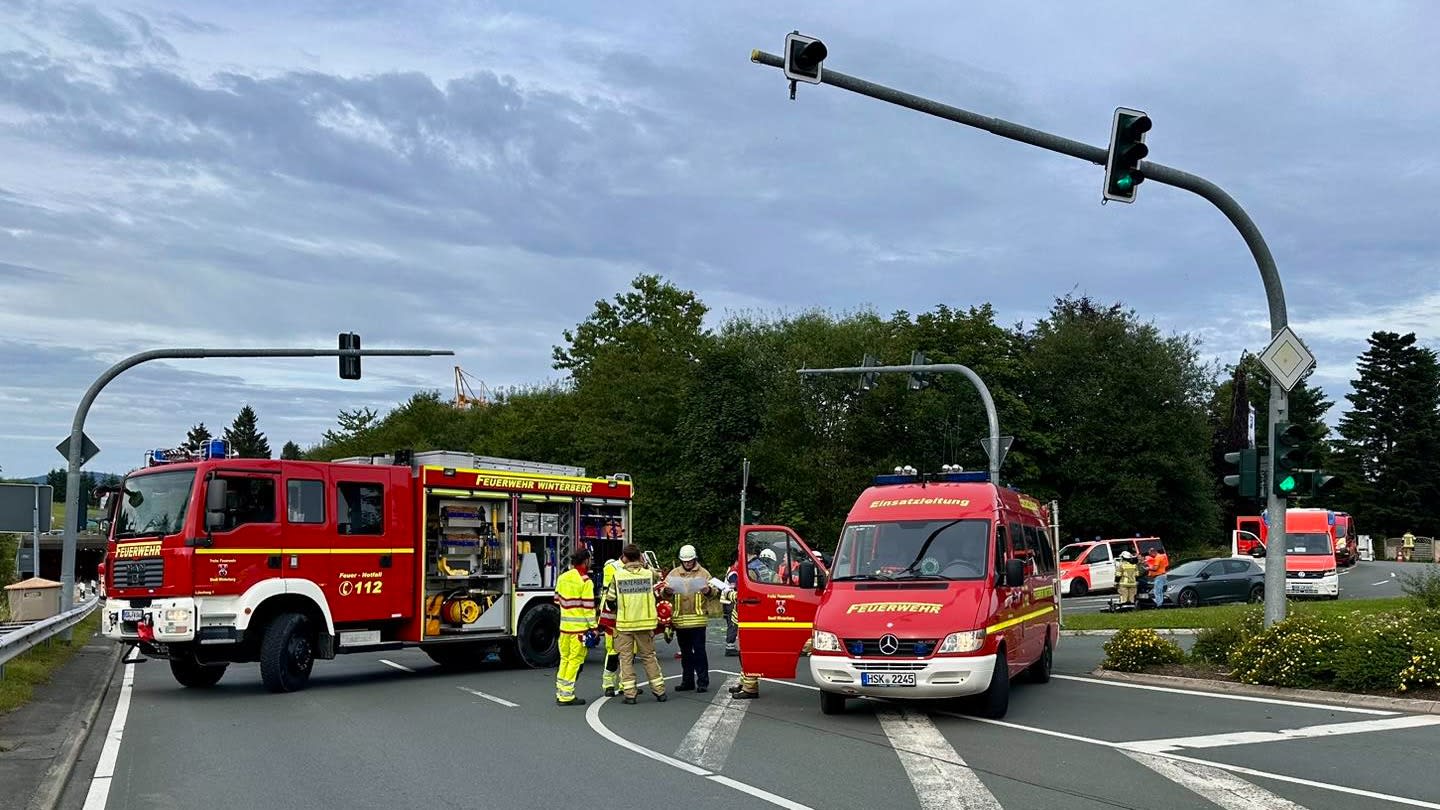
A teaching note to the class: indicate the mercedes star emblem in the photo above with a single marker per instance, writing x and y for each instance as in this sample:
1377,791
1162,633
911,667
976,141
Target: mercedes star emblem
889,645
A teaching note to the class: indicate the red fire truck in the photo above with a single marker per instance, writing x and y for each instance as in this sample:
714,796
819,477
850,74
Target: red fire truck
215,560
1311,562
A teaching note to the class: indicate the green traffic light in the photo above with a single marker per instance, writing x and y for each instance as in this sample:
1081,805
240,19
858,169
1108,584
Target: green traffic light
1287,484
1125,182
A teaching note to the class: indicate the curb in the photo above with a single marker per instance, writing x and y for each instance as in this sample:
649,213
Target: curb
1403,705
57,776
1162,631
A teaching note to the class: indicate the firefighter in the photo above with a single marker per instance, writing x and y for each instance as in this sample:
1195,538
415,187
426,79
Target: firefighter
1127,577
690,619
632,594
610,674
575,596
727,598
1407,546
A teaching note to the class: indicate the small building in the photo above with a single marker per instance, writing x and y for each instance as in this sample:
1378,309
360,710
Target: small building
33,599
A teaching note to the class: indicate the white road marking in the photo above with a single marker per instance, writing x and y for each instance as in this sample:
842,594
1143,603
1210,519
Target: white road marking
99,792
1223,789
1382,582
1253,737
1223,696
940,777
387,662
709,740
1278,777
478,693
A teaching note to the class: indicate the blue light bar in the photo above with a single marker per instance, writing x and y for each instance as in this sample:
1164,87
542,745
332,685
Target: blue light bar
977,477
215,448
893,479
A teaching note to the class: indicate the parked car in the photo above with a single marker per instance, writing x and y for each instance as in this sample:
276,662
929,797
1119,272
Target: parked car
1208,582
1090,566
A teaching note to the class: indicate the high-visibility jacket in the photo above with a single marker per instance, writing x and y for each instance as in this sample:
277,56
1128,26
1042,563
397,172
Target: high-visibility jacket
1159,564
575,596
1126,573
1408,541
607,606
633,591
690,607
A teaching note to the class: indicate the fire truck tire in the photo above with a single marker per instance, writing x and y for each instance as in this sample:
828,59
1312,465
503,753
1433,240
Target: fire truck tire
994,702
537,637
287,653
194,675
832,703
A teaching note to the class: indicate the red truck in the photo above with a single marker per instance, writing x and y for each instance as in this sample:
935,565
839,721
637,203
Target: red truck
1311,565
213,560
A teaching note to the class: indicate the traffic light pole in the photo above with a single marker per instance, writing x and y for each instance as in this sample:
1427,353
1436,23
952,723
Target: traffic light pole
938,368
77,428
1269,275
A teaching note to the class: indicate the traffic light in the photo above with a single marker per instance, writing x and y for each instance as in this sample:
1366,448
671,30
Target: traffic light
918,379
1246,478
1285,466
803,56
1127,149
349,365
869,378
1316,482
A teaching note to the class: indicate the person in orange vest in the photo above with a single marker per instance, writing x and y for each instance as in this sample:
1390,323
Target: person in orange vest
1157,562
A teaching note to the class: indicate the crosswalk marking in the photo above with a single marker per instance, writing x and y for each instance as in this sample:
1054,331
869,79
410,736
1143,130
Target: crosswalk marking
709,740
1307,732
941,779
1226,790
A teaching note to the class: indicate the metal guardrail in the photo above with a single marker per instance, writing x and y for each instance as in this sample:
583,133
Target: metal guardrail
17,641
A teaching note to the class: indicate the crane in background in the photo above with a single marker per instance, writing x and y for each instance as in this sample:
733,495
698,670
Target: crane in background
465,395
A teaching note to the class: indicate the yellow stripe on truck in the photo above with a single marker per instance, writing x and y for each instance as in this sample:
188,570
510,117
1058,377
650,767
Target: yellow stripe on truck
995,628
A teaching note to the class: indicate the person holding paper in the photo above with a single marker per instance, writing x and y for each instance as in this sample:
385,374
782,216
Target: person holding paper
688,584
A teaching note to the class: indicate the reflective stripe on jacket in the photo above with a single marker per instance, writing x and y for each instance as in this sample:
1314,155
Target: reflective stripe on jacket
690,607
1126,573
633,591
575,596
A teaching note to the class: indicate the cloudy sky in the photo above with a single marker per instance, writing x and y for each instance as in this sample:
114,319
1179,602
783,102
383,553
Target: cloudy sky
474,175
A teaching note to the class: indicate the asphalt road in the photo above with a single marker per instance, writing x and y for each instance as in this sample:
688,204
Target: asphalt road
1363,580
372,734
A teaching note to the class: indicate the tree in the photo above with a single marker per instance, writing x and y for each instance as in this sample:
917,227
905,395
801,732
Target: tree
1390,438
244,436
291,452
656,315
56,480
196,438
353,425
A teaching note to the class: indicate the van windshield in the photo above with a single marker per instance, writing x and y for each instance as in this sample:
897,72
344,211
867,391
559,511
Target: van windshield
1308,543
154,504
1072,553
905,549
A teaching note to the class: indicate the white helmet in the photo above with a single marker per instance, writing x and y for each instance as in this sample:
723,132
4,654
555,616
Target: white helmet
687,553
767,554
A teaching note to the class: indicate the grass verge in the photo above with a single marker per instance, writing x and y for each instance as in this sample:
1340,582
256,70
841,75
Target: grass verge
35,667
1173,618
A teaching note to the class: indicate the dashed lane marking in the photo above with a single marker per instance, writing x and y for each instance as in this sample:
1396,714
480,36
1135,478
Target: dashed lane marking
387,662
479,694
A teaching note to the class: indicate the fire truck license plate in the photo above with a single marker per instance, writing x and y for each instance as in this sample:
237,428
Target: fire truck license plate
131,615
887,679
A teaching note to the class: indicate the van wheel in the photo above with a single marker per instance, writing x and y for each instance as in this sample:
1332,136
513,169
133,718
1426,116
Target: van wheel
1078,587
832,703
1188,598
538,636
287,653
193,675
996,700
1257,594
1040,670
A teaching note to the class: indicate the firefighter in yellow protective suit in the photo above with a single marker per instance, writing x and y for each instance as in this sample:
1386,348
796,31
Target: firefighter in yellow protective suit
1127,578
1407,546
632,592
575,596
610,673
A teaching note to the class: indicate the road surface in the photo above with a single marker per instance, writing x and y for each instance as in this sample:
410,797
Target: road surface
392,730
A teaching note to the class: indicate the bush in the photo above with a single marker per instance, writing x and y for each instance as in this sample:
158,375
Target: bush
1373,657
1298,652
1214,644
1423,668
1423,587
1134,650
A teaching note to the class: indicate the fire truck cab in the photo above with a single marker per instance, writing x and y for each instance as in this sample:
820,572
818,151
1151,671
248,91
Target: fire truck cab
214,560
942,586
1311,564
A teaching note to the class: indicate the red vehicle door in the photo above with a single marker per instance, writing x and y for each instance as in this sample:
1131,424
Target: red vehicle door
774,618
372,562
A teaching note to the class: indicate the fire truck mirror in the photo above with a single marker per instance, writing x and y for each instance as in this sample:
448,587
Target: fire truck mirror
216,495
1014,573
810,576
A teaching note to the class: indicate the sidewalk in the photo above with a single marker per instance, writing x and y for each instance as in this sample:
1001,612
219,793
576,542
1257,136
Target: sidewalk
39,740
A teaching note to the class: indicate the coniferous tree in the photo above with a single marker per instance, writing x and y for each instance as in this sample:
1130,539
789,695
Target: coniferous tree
291,452
197,437
244,436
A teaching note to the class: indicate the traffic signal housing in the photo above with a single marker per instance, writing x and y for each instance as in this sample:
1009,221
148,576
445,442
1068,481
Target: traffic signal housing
1285,473
1127,148
349,364
868,379
803,56
918,379
1246,478
1317,482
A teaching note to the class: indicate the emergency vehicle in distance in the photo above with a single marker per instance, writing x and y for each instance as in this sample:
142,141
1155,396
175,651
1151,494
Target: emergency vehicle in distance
1311,564
214,560
943,586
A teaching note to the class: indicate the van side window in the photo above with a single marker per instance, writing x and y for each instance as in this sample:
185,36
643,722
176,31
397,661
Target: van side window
1040,550
250,500
360,508
1000,546
1099,554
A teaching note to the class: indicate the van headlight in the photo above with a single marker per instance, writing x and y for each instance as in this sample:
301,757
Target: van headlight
821,641
964,642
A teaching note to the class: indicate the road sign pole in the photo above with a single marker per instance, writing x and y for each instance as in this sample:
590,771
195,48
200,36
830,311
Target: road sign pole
35,538
1264,261
75,450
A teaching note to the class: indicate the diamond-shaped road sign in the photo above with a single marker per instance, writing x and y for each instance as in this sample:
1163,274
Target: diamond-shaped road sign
88,449
1287,359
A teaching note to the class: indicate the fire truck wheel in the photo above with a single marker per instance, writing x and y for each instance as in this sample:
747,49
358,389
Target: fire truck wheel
538,636
832,703
287,653
194,675
1040,670
995,701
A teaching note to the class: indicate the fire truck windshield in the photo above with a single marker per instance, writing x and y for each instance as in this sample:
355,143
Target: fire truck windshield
956,549
1308,543
154,504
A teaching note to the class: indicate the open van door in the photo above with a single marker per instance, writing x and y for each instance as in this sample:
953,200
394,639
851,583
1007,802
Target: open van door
774,617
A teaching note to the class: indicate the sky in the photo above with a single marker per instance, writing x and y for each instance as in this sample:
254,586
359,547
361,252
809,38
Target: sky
473,176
